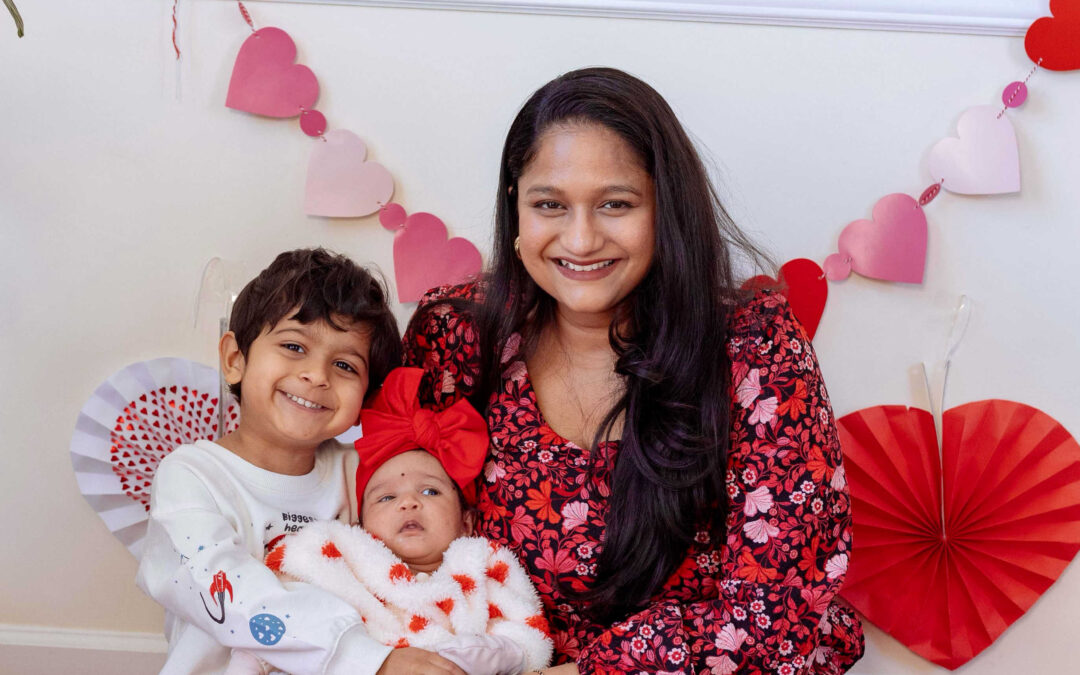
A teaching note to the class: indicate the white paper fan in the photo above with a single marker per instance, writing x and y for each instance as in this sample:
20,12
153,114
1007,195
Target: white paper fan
135,418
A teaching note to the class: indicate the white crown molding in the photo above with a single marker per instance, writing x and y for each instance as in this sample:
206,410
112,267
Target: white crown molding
986,17
70,638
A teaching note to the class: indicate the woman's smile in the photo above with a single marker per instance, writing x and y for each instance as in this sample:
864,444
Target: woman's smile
585,271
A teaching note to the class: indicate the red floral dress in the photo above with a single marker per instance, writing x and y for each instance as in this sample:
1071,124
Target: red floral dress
763,601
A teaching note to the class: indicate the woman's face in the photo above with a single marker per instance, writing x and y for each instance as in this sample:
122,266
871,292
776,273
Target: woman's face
586,214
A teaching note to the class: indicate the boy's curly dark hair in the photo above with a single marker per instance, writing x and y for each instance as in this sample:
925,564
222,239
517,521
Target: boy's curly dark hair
318,284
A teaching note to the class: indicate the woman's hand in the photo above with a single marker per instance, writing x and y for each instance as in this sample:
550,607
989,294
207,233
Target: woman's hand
416,661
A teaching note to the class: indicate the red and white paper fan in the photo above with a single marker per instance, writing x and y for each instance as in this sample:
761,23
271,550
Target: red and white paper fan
133,420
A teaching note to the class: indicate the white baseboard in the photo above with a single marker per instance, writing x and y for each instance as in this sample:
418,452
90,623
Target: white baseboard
72,638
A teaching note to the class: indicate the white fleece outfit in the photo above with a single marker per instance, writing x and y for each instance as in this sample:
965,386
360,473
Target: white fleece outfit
479,588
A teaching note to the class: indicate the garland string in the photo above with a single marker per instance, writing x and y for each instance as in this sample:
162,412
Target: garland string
247,17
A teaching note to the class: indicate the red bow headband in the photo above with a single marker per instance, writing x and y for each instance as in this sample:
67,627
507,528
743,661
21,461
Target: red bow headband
395,423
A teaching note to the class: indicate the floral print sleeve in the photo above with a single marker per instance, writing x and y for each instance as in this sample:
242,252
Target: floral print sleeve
442,341
766,603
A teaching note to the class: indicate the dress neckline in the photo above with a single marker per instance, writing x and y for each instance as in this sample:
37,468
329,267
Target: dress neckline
541,420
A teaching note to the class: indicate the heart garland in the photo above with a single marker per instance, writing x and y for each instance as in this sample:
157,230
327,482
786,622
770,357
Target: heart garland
952,549
983,160
341,181
266,81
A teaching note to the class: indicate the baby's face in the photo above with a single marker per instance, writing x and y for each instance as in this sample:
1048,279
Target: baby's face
413,507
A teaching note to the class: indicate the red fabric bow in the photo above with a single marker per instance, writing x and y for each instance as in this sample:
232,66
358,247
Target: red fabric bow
395,423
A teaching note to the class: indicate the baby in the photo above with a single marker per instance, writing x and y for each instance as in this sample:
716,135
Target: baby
412,570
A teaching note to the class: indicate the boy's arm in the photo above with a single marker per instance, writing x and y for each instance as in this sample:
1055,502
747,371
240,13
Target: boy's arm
196,564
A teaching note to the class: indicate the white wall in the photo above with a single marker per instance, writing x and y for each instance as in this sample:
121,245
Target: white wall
113,194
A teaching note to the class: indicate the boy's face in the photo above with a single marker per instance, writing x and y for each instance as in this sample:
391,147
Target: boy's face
413,507
302,384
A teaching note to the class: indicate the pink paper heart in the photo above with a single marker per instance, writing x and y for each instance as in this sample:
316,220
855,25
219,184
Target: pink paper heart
340,183
984,160
891,247
424,258
267,81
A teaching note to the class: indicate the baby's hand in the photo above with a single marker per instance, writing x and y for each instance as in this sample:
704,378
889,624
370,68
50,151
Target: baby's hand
485,654
416,661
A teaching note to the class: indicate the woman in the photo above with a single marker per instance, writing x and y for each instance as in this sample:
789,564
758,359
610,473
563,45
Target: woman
663,456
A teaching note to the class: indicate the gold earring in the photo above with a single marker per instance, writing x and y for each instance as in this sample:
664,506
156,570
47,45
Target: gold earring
517,247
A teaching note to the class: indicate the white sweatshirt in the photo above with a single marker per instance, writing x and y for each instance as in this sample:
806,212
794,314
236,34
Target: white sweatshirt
212,515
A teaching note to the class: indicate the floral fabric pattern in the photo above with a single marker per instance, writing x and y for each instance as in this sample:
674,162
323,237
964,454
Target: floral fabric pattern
762,601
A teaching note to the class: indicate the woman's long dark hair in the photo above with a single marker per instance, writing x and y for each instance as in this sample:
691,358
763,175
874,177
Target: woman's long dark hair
669,336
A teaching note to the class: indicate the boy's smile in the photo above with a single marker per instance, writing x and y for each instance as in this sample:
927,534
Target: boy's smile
301,384
310,405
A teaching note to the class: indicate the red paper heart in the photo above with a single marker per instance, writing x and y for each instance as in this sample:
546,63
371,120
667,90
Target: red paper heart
267,81
950,552
803,284
1054,42
424,258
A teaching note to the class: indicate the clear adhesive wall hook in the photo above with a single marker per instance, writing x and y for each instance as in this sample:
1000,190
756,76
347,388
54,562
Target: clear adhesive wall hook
961,317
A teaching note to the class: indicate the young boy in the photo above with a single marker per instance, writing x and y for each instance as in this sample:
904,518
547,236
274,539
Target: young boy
307,340
412,570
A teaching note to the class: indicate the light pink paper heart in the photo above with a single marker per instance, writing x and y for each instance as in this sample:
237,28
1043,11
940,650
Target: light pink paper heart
340,183
984,160
267,81
891,247
424,258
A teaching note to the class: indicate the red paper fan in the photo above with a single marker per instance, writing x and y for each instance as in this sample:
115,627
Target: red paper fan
948,553
133,420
